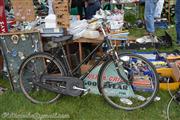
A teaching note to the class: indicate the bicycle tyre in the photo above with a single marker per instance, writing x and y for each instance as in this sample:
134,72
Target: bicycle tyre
116,100
46,60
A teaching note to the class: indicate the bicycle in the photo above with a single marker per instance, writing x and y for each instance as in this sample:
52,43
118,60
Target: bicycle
44,78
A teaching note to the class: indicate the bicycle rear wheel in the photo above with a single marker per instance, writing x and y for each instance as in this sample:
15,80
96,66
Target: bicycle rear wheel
32,70
143,82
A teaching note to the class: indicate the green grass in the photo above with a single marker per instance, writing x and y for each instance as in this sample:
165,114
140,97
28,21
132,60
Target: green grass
89,107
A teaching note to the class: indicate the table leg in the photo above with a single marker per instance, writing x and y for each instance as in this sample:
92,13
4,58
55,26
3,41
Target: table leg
80,51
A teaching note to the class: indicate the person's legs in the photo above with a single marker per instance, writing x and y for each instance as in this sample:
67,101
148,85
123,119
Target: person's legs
158,9
177,14
149,15
150,6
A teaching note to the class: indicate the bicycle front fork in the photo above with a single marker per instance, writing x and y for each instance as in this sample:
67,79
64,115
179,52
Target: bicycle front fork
119,67
117,61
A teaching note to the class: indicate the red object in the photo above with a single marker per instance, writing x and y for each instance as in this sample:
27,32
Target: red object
11,22
3,21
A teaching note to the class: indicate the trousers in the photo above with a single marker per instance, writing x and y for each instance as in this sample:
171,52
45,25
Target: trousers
150,6
91,9
177,20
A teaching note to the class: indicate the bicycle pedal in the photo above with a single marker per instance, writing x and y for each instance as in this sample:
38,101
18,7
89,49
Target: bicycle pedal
86,92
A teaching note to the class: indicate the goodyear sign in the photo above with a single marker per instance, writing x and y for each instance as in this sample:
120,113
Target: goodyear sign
113,84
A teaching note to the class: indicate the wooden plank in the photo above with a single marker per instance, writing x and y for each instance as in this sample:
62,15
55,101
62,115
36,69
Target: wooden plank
87,40
19,32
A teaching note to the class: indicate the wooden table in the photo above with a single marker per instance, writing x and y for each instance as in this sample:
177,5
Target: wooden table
80,41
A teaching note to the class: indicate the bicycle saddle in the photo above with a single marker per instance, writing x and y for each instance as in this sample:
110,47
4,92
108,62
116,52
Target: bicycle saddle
62,38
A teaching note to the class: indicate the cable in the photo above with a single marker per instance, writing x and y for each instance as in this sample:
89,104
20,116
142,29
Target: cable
173,97
168,107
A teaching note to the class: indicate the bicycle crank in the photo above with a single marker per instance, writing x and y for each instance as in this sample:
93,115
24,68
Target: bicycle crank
71,86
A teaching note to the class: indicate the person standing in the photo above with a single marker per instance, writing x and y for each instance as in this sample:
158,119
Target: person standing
91,6
177,14
150,7
149,12
79,4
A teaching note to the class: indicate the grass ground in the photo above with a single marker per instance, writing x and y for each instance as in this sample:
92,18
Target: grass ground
89,107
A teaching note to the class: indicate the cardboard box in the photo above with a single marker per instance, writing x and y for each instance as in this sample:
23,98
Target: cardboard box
176,70
63,24
61,9
173,58
62,17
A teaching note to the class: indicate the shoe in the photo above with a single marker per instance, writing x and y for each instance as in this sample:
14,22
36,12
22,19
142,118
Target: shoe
157,98
147,39
142,39
154,39
126,101
140,98
178,43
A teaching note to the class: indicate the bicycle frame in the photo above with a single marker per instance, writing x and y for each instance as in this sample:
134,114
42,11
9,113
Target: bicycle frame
87,58
72,72
110,52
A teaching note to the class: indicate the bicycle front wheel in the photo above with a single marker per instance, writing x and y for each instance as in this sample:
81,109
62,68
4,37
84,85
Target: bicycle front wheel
31,72
142,83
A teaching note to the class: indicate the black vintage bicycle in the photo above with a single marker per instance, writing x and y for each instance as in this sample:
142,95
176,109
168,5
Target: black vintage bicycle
44,77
